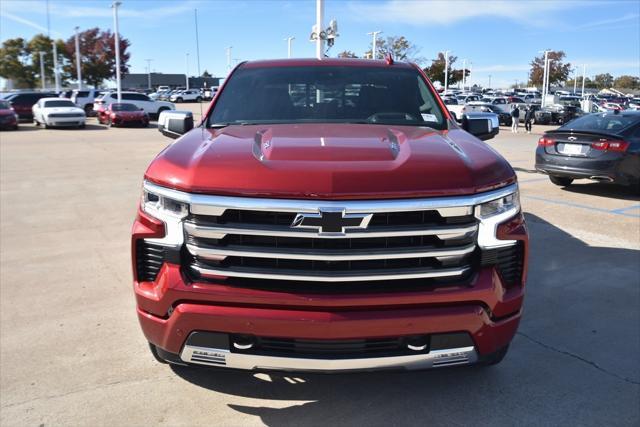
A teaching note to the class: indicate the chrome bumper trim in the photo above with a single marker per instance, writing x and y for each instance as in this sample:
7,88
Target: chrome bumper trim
226,359
318,255
252,273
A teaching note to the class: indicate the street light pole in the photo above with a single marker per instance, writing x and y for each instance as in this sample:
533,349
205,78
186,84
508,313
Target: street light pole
56,74
187,75
464,69
78,60
575,80
42,79
489,81
229,58
114,6
446,71
470,80
319,27
148,73
584,76
544,76
374,43
289,40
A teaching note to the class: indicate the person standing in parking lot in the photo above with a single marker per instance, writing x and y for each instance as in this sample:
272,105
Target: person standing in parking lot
528,117
515,118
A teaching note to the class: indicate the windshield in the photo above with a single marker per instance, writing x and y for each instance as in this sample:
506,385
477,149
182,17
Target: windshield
331,94
605,122
4,105
61,103
124,107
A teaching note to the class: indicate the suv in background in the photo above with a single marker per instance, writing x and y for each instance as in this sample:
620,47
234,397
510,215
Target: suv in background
85,98
187,95
341,220
22,102
140,100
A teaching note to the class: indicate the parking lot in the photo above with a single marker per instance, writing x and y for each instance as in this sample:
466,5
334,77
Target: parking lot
73,353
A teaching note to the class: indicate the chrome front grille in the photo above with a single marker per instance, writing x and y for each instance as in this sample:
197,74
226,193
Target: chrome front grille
396,245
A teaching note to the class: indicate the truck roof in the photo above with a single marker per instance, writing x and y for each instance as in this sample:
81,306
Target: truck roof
326,62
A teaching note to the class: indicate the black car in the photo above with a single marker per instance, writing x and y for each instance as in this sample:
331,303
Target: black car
503,117
23,101
602,146
556,114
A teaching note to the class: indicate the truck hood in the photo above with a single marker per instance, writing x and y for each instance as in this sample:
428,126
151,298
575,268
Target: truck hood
330,161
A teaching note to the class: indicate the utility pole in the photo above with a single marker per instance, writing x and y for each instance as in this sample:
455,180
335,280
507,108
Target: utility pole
229,58
187,75
464,72
148,73
289,40
584,76
56,74
446,71
114,6
42,79
575,80
197,43
78,60
544,75
374,43
319,27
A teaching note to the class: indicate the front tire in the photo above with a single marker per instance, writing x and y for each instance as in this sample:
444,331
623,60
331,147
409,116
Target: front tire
199,99
160,110
561,181
178,100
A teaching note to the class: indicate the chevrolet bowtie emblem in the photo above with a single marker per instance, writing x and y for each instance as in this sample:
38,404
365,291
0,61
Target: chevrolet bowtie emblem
331,221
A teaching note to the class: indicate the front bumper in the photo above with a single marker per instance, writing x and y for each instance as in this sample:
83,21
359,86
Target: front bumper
65,121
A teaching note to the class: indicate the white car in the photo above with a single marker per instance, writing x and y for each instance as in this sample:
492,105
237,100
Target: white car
140,100
187,95
58,112
85,98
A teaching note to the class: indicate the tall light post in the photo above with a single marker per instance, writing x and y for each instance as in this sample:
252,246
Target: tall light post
114,6
374,43
489,81
464,69
584,76
319,29
42,79
78,60
289,40
575,80
148,73
56,73
446,71
229,58
187,74
544,75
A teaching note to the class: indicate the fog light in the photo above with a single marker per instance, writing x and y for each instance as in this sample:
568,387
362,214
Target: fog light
417,343
243,342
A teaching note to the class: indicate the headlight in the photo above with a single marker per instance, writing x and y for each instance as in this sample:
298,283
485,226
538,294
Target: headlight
162,207
493,213
168,210
509,203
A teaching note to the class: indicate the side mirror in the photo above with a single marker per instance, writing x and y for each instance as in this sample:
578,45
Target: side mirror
481,125
175,123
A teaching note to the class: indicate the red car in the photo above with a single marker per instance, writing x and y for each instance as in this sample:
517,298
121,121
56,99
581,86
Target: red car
8,116
123,114
329,215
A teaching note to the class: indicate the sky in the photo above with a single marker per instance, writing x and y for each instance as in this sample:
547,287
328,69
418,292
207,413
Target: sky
499,38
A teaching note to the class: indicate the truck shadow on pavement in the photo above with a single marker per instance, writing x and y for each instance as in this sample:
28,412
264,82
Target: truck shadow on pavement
563,367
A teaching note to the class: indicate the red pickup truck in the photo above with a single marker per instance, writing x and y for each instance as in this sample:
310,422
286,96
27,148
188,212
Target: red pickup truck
329,215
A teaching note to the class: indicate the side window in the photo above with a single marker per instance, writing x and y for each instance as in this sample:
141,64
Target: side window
139,97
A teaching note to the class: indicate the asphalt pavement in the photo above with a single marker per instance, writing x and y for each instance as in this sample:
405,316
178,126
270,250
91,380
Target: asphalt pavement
72,353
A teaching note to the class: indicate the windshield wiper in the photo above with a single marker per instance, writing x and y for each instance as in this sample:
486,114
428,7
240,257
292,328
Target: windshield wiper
224,125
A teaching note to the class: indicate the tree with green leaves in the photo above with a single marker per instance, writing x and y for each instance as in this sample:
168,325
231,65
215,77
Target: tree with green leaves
347,54
435,71
627,82
15,63
399,47
603,81
558,70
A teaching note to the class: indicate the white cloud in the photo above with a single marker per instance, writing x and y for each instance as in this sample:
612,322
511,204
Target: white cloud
27,22
449,12
628,17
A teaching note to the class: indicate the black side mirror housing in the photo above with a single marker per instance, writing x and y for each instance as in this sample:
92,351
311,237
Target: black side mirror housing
481,125
174,124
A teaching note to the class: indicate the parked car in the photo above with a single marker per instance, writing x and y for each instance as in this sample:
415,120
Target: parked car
187,95
65,94
8,116
209,93
556,114
363,194
503,117
123,114
140,100
58,112
22,102
85,99
604,147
